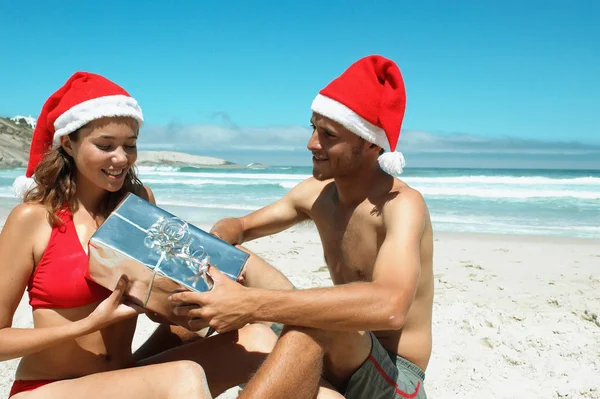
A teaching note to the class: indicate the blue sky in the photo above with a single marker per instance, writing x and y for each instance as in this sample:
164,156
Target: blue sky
485,81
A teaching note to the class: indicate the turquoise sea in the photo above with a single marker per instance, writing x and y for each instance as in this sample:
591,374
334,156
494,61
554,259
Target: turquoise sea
536,202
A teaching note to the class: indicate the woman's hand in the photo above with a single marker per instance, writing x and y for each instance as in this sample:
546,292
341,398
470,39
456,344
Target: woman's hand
113,309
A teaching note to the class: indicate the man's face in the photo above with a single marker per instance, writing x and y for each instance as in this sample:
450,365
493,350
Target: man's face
337,152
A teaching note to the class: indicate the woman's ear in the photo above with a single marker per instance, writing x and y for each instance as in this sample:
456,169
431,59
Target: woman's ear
67,145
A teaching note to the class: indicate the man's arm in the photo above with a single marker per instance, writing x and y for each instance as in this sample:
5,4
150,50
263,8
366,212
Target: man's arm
379,305
268,220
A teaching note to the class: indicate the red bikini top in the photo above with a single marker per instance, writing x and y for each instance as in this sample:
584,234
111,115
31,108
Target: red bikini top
59,280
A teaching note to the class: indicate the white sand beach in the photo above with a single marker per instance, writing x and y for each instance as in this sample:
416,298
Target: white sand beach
514,316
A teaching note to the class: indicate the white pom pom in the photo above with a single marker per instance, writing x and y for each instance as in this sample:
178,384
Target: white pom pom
392,162
21,185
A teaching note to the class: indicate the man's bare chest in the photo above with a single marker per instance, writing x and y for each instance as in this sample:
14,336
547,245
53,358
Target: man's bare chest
350,244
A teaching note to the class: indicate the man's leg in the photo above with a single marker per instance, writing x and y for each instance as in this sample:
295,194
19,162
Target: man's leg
358,366
293,369
302,357
260,274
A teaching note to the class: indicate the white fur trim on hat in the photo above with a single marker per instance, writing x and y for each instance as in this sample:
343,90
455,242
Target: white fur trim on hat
87,111
392,162
352,121
21,185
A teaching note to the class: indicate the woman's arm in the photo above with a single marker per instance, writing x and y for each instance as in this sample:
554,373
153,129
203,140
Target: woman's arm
16,265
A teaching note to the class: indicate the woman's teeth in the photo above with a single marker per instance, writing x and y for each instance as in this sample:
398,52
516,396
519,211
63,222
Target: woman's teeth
114,172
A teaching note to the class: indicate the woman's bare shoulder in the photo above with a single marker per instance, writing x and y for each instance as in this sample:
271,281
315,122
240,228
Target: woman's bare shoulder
28,215
25,224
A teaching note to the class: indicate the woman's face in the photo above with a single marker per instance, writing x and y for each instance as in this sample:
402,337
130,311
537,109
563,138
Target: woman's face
103,151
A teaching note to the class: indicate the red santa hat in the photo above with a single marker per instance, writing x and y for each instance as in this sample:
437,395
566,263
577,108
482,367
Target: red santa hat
82,99
369,99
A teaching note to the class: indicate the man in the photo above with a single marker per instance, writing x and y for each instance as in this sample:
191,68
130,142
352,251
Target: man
369,334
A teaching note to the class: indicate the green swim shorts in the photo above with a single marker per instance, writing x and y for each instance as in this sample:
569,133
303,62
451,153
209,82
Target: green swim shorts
385,375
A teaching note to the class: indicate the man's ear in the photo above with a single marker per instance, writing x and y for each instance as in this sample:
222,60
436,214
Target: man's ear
374,147
67,144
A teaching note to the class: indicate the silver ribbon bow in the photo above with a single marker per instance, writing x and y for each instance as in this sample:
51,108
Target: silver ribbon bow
171,237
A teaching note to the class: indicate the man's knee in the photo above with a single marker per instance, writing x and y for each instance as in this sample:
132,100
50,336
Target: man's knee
257,338
243,248
256,262
344,351
332,340
260,274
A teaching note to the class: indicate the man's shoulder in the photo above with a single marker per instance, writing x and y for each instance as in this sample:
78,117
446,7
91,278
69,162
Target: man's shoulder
315,183
404,199
310,186
407,193
306,194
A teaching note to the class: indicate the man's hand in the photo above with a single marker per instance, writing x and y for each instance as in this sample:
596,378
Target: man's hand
226,307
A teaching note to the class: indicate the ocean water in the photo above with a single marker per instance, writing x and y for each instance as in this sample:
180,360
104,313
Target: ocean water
530,202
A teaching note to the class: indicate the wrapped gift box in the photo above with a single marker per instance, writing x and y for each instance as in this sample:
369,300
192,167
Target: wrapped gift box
159,253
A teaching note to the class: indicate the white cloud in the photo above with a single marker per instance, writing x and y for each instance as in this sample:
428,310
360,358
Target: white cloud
424,142
293,138
273,138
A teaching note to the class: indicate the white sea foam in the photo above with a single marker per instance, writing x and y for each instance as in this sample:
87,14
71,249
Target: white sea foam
437,190
506,193
471,179
505,180
227,175
192,204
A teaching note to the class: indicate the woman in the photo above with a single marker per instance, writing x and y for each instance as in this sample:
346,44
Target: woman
80,345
